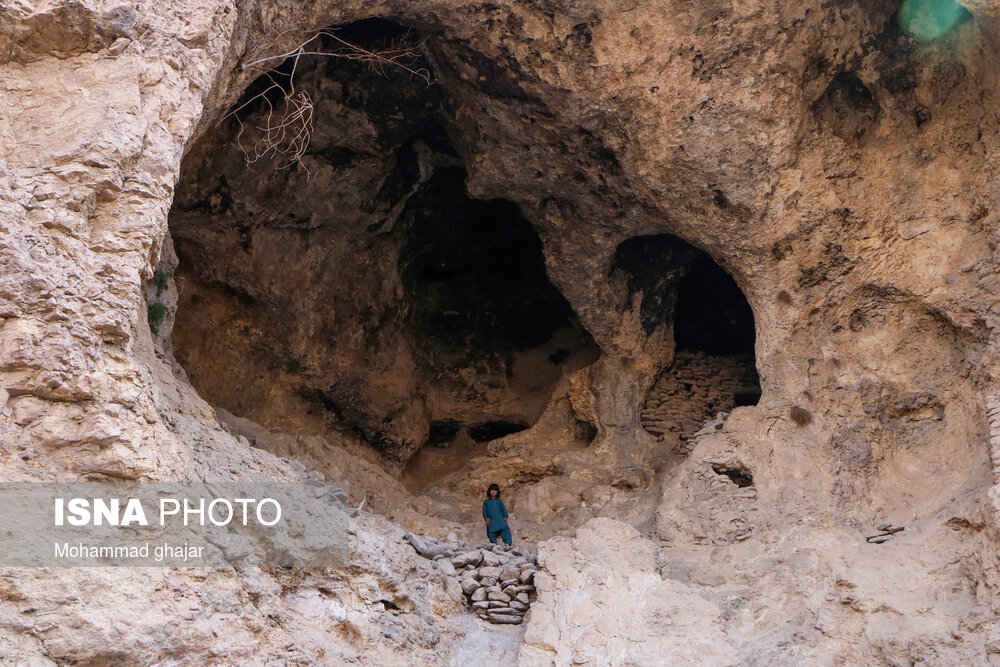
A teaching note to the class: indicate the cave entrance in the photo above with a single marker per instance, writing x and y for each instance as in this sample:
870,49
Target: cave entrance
357,292
714,367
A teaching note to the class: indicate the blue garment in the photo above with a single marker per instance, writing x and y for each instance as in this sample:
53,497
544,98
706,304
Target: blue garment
503,534
496,512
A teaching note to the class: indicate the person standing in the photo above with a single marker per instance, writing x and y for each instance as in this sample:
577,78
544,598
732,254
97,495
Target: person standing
495,514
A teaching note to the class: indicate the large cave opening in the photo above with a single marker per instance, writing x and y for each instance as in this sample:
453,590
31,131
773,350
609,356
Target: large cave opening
713,368
353,293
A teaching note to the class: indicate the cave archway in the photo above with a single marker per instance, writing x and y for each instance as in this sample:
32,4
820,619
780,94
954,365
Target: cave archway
357,291
713,369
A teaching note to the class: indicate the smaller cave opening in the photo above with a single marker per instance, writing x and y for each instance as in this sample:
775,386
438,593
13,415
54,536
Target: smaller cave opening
486,322
714,366
739,475
495,429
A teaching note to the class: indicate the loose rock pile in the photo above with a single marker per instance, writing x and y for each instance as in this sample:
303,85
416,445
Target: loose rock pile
496,581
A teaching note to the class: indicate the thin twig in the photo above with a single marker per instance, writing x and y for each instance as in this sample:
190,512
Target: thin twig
287,129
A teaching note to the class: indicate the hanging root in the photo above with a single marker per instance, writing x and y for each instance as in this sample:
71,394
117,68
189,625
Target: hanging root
288,124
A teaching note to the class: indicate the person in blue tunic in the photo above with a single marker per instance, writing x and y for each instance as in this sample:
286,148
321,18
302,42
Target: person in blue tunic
495,514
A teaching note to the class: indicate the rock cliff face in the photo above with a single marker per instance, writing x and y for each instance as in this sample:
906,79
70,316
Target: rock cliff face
501,271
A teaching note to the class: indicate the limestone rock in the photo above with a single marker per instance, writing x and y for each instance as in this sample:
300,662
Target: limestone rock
491,560
838,164
447,568
467,558
453,588
503,618
620,611
469,585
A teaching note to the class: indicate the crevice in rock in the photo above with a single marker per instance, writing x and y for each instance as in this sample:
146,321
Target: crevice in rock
740,476
847,107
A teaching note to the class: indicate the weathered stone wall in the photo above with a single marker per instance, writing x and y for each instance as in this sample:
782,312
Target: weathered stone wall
694,389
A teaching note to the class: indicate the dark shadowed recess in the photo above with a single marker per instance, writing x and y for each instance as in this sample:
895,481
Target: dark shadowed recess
712,314
474,273
682,286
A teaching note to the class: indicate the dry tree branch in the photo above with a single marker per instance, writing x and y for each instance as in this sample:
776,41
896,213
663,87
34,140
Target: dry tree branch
287,129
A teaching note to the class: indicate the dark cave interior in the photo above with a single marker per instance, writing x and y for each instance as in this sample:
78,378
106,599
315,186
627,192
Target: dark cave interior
359,290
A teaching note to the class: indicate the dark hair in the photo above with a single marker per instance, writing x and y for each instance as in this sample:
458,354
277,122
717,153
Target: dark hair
493,486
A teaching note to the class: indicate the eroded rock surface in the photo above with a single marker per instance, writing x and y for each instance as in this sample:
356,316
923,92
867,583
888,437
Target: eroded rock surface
601,600
833,158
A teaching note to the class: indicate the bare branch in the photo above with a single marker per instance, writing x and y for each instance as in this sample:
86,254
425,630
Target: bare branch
287,129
